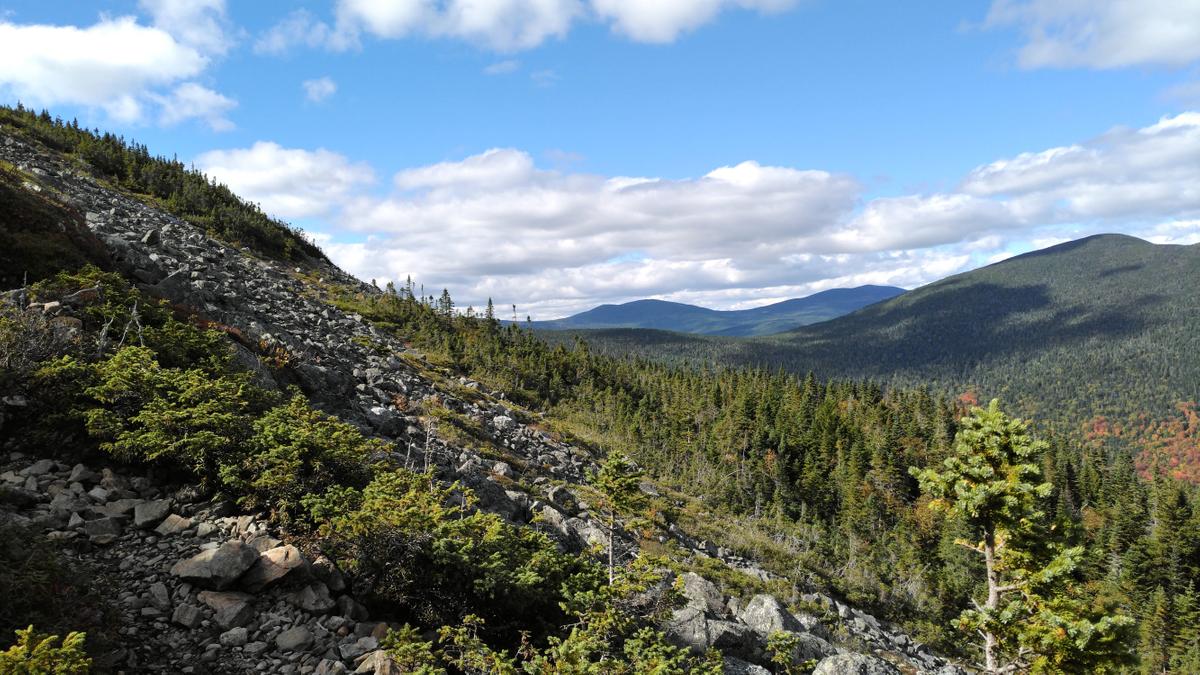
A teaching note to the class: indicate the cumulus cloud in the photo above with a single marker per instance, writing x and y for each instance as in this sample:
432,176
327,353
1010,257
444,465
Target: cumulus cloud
499,25
192,101
117,65
665,20
1102,33
298,29
109,64
289,183
496,224
201,24
503,25
319,89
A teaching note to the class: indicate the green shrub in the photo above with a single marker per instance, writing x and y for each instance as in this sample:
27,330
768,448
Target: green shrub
411,652
296,451
409,542
35,654
186,419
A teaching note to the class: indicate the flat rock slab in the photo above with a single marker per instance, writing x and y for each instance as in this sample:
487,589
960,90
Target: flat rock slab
217,568
275,566
174,524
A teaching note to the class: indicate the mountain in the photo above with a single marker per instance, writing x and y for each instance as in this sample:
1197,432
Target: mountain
1105,325
213,435
679,317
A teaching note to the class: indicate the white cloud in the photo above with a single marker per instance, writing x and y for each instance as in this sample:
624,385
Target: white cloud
502,67
558,241
192,101
201,24
107,65
1102,33
665,20
117,65
319,89
288,183
499,25
503,25
298,29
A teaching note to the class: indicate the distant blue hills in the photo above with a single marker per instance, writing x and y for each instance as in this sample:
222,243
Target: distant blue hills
766,320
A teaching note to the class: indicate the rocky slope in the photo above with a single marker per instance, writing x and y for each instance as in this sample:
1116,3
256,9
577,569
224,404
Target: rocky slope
205,589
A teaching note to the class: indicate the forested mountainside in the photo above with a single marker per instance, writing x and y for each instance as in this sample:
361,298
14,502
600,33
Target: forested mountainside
450,489
1100,331
774,318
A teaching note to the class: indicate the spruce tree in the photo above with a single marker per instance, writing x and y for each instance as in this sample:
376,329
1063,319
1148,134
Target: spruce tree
619,482
1028,618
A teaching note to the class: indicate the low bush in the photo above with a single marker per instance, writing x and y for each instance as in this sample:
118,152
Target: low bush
35,654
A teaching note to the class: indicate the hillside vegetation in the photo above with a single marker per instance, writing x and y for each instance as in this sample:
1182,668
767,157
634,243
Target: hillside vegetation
168,183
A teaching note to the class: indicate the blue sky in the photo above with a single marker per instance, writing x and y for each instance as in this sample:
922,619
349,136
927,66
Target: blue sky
561,153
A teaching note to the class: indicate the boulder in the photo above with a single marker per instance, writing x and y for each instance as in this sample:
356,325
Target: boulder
234,637
331,667
82,474
731,637
174,524
735,666
688,628
187,616
217,568
363,645
809,647
293,639
313,598
274,566
378,662
702,594
765,614
38,468
148,514
854,664
160,597
230,609
101,526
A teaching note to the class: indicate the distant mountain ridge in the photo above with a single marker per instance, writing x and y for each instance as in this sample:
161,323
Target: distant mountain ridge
1104,325
774,318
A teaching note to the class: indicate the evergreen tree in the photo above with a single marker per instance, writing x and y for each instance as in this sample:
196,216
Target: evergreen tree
1028,619
618,482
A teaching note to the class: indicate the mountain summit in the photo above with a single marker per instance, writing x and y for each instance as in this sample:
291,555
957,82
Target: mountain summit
774,318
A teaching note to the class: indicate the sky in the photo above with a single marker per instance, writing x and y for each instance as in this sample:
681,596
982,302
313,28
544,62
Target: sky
559,154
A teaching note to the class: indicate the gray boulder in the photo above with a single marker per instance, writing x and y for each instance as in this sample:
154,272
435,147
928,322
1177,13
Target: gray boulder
234,637
148,514
217,568
731,637
293,639
736,666
230,609
765,614
702,594
313,598
854,664
688,628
